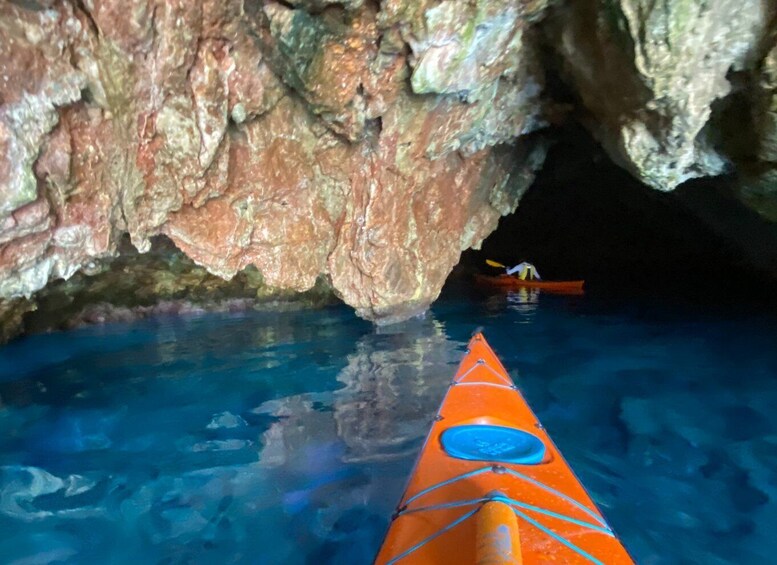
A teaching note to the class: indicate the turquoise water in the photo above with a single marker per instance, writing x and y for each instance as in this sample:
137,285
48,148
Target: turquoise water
286,438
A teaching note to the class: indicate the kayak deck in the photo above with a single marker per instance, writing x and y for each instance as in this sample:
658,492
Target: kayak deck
508,281
486,445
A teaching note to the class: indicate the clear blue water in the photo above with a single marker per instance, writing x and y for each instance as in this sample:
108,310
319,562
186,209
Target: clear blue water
286,438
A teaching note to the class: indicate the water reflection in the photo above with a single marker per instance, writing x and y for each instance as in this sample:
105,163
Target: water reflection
522,301
207,439
329,453
393,386
288,438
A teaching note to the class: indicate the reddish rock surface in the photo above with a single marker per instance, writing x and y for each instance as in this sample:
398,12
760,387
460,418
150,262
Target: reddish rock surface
285,138
362,144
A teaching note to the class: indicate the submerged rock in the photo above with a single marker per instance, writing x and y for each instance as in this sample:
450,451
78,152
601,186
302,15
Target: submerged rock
20,487
226,420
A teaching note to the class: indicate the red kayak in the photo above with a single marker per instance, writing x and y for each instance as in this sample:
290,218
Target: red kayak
511,282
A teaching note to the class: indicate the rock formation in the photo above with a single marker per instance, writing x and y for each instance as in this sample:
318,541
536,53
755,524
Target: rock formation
290,139
366,143
649,72
680,90
759,188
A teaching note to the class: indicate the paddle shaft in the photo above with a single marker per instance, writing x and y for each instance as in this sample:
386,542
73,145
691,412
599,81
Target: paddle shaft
498,538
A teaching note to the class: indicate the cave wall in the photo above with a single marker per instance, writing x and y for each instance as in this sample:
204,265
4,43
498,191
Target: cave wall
303,139
683,95
649,72
365,142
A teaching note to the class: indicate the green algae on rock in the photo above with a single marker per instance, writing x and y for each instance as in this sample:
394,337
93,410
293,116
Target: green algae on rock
163,280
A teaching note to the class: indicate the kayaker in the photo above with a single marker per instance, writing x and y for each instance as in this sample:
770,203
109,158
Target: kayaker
525,271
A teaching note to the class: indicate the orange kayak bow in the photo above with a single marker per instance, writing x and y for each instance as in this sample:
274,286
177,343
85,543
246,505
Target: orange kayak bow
489,486
508,282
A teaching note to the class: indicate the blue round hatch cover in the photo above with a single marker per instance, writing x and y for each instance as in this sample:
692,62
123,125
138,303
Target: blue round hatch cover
497,444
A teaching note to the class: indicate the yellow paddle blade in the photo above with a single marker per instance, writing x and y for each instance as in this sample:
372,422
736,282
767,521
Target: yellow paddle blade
495,264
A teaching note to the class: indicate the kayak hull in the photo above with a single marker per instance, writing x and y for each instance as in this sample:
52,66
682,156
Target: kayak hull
510,282
515,462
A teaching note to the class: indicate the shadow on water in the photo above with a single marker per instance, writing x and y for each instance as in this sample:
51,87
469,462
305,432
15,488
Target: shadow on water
287,438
